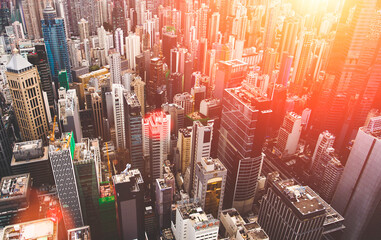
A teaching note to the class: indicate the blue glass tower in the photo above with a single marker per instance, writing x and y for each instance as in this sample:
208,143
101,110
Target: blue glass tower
53,30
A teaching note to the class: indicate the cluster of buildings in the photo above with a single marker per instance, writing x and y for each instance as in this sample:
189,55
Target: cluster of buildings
163,119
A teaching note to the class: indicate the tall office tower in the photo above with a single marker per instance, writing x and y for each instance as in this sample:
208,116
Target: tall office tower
61,152
118,16
134,134
156,80
353,68
129,199
214,24
88,172
169,42
53,30
289,134
184,141
193,223
119,41
330,178
5,151
288,210
240,145
202,135
119,118
83,28
28,104
357,196
32,157
290,30
177,60
301,64
40,60
212,109
97,107
156,141
32,18
210,185
202,21
68,112
324,143
285,69
185,100
270,26
138,87
132,49
164,197
115,68
174,85
229,74
177,116
198,93
269,61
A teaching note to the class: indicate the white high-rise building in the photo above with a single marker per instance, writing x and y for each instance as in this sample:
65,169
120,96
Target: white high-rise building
132,49
201,145
192,223
289,134
83,28
115,68
119,41
18,30
117,98
324,143
358,196
156,141
68,112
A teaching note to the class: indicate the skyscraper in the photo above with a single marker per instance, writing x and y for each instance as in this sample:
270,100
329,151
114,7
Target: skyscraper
242,132
324,143
214,27
138,86
28,104
357,196
115,68
130,204
61,152
119,118
202,135
184,148
87,168
185,100
156,141
32,18
53,29
97,107
164,196
5,151
288,210
83,27
68,112
119,41
289,134
210,185
132,49
134,132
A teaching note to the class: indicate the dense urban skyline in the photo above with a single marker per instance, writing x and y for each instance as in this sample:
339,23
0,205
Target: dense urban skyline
183,119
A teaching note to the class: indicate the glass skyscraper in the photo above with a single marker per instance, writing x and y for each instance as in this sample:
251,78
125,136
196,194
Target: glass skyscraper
53,29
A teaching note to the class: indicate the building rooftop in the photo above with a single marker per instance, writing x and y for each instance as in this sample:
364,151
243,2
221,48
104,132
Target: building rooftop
30,151
161,184
299,198
187,132
199,219
43,229
197,116
211,165
81,233
247,96
86,150
14,187
126,176
61,144
17,63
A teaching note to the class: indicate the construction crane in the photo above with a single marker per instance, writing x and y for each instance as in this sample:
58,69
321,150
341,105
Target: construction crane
52,137
109,167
